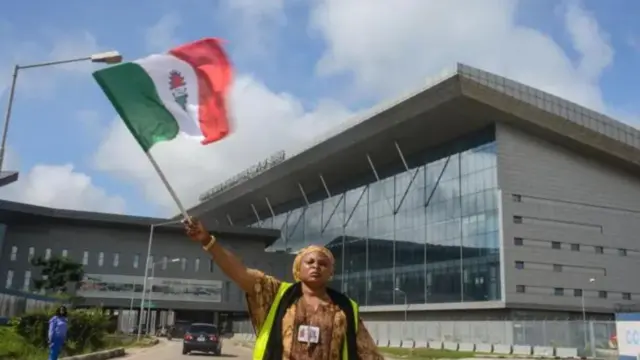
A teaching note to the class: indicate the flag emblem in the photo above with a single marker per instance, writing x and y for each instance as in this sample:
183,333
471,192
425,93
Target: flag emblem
178,88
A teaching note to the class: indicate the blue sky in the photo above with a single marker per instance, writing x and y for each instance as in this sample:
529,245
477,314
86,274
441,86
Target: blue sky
302,68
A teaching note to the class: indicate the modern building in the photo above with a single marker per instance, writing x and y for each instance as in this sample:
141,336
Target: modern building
476,197
113,249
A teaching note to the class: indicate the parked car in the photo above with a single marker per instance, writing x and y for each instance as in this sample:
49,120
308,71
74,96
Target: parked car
202,337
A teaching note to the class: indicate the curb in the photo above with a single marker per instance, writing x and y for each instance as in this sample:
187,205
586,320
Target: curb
154,342
108,354
100,355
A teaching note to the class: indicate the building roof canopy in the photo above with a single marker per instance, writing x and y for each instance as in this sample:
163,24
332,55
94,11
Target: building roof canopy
457,104
24,214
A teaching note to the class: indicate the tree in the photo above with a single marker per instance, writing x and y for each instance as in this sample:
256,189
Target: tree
58,274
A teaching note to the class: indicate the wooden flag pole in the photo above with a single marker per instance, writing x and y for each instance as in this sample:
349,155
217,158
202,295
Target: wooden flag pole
168,186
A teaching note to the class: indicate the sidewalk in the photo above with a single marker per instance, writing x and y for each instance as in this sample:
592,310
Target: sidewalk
250,344
162,342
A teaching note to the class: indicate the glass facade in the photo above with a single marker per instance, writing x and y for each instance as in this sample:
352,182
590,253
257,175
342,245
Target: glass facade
427,235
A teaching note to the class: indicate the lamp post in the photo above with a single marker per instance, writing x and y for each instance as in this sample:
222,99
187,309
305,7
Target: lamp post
110,57
152,278
584,314
152,228
130,317
406,306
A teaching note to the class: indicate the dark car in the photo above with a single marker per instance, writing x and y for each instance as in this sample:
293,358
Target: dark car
203,338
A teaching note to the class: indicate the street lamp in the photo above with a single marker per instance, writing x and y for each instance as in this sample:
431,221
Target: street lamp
406,305
152,278
584,313
109,57
152,228
130,320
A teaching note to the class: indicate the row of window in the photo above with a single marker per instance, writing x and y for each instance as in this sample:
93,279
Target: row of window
582,269
115,259
32,253
26,283
518,241
576,292
558,223
558,245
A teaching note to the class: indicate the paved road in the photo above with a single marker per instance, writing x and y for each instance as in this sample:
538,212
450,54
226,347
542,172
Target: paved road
172,350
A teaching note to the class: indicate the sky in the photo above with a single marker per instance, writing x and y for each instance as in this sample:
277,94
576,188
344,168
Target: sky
301,68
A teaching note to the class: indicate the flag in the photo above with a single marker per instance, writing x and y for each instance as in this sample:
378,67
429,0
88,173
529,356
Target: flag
181,92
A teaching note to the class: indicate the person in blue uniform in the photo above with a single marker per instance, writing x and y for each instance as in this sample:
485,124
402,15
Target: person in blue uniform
57,332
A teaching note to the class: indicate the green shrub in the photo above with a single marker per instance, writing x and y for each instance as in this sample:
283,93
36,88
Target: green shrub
13,347
86,329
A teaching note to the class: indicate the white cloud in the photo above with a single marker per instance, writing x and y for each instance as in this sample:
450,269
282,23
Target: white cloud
254,24
49,185
40,82
161,36
250,8
390,47
589,41
61,187
266,123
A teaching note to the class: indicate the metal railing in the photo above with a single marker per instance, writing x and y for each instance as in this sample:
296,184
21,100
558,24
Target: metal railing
566,335
15,303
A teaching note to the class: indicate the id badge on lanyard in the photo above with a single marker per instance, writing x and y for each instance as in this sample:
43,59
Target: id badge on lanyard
309,334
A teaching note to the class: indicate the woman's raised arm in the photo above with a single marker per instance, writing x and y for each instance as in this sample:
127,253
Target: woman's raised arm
225,259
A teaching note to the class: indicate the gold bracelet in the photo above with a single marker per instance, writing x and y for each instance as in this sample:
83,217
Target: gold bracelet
209,245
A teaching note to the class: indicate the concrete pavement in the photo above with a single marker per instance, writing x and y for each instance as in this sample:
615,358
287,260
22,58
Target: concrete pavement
172,350
231,349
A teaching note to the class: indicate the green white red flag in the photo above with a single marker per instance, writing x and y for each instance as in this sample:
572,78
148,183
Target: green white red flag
183,91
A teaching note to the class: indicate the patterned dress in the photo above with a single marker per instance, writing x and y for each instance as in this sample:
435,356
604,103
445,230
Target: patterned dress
328,318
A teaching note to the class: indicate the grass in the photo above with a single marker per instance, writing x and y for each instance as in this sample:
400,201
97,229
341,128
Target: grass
417,354
13,346
114,341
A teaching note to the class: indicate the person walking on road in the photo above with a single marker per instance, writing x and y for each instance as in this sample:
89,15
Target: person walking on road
304,320
57,332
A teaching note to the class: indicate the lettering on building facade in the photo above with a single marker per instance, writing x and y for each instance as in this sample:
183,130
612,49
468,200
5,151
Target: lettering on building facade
245,175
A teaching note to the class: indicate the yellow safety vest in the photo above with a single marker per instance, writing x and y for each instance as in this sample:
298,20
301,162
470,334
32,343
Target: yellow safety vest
265,330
